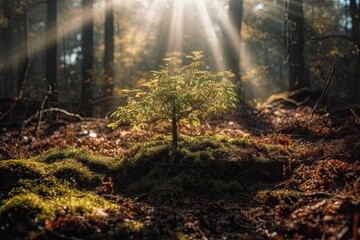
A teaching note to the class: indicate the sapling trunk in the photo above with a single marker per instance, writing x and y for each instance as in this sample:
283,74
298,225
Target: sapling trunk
174,129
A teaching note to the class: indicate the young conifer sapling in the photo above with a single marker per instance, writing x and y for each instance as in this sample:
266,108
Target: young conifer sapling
178,95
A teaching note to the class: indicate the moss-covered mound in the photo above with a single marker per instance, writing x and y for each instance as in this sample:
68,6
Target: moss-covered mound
55,183
206,165
60,183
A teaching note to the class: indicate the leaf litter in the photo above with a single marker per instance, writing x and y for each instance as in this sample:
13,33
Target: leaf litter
317,197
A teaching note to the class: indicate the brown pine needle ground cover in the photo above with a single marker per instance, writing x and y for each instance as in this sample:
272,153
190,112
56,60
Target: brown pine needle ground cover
268,173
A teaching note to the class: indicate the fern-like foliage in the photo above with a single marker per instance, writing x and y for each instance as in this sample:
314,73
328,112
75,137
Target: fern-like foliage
178,94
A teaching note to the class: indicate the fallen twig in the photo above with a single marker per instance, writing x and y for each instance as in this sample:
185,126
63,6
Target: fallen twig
11,108
203,236
324,91
59,110
354,113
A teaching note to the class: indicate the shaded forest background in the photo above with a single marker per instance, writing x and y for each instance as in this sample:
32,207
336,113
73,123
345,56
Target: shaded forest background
80,54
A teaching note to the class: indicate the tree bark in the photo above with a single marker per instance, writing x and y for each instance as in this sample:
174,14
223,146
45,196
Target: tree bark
109,48
8,60
295,45
51,49
355,16
233,42
235,16
87,57
355,63
108,85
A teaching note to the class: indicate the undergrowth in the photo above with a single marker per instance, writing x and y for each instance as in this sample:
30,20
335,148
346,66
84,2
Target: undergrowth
63,182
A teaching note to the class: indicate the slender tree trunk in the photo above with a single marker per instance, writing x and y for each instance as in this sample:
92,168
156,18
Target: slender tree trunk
109,48
7,54
174,129
87,55
233,42
355,31
355,16
51,49
107,87
296,41
24,58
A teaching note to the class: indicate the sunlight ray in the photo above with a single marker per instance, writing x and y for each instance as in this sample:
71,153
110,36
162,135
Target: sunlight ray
72,26
213,40
177,28
230,30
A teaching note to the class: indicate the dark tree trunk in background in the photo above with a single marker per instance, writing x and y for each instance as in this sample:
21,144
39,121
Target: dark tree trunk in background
295,45
109,50
355,16
233,47
24,58
355,63
8,60
51,49
87,57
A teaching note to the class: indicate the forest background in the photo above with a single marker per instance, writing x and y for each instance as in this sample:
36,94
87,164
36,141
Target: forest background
79,55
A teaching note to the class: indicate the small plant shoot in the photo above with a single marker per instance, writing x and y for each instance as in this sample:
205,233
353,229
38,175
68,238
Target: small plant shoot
178,95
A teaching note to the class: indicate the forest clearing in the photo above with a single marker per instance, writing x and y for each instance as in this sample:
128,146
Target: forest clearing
288,176
179,119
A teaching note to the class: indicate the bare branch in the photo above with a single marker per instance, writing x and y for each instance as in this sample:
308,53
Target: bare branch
324,91
331,37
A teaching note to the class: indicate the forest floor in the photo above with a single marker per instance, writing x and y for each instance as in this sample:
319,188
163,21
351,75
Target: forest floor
312,192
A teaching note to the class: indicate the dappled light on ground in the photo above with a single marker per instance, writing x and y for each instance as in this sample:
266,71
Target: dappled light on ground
283,175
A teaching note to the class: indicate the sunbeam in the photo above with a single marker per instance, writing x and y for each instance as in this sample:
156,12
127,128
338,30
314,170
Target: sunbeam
177,28
211,35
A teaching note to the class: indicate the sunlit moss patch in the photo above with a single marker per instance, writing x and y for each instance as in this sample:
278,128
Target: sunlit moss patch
52,184
214,164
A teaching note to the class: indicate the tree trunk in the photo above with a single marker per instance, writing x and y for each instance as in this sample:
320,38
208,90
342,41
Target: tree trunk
174,130
355,16
355,31
108,85
7,85
233,42
109,48
51,50
87,57
295,45
24,58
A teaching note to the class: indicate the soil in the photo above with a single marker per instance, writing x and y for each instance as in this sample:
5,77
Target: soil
317,197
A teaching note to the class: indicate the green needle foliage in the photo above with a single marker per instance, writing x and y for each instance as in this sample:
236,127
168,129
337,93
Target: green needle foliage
179,95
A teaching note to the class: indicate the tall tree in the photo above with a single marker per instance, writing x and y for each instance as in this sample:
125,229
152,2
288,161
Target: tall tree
52,42
233,42
7,59
355,16
87,56
295,45
109,48
355,32
15,56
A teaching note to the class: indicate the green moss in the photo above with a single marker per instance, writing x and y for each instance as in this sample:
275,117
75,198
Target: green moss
72,170
42,187
28,210
12,171
204,164
94,162
83,203
47,187
128,229
55,155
